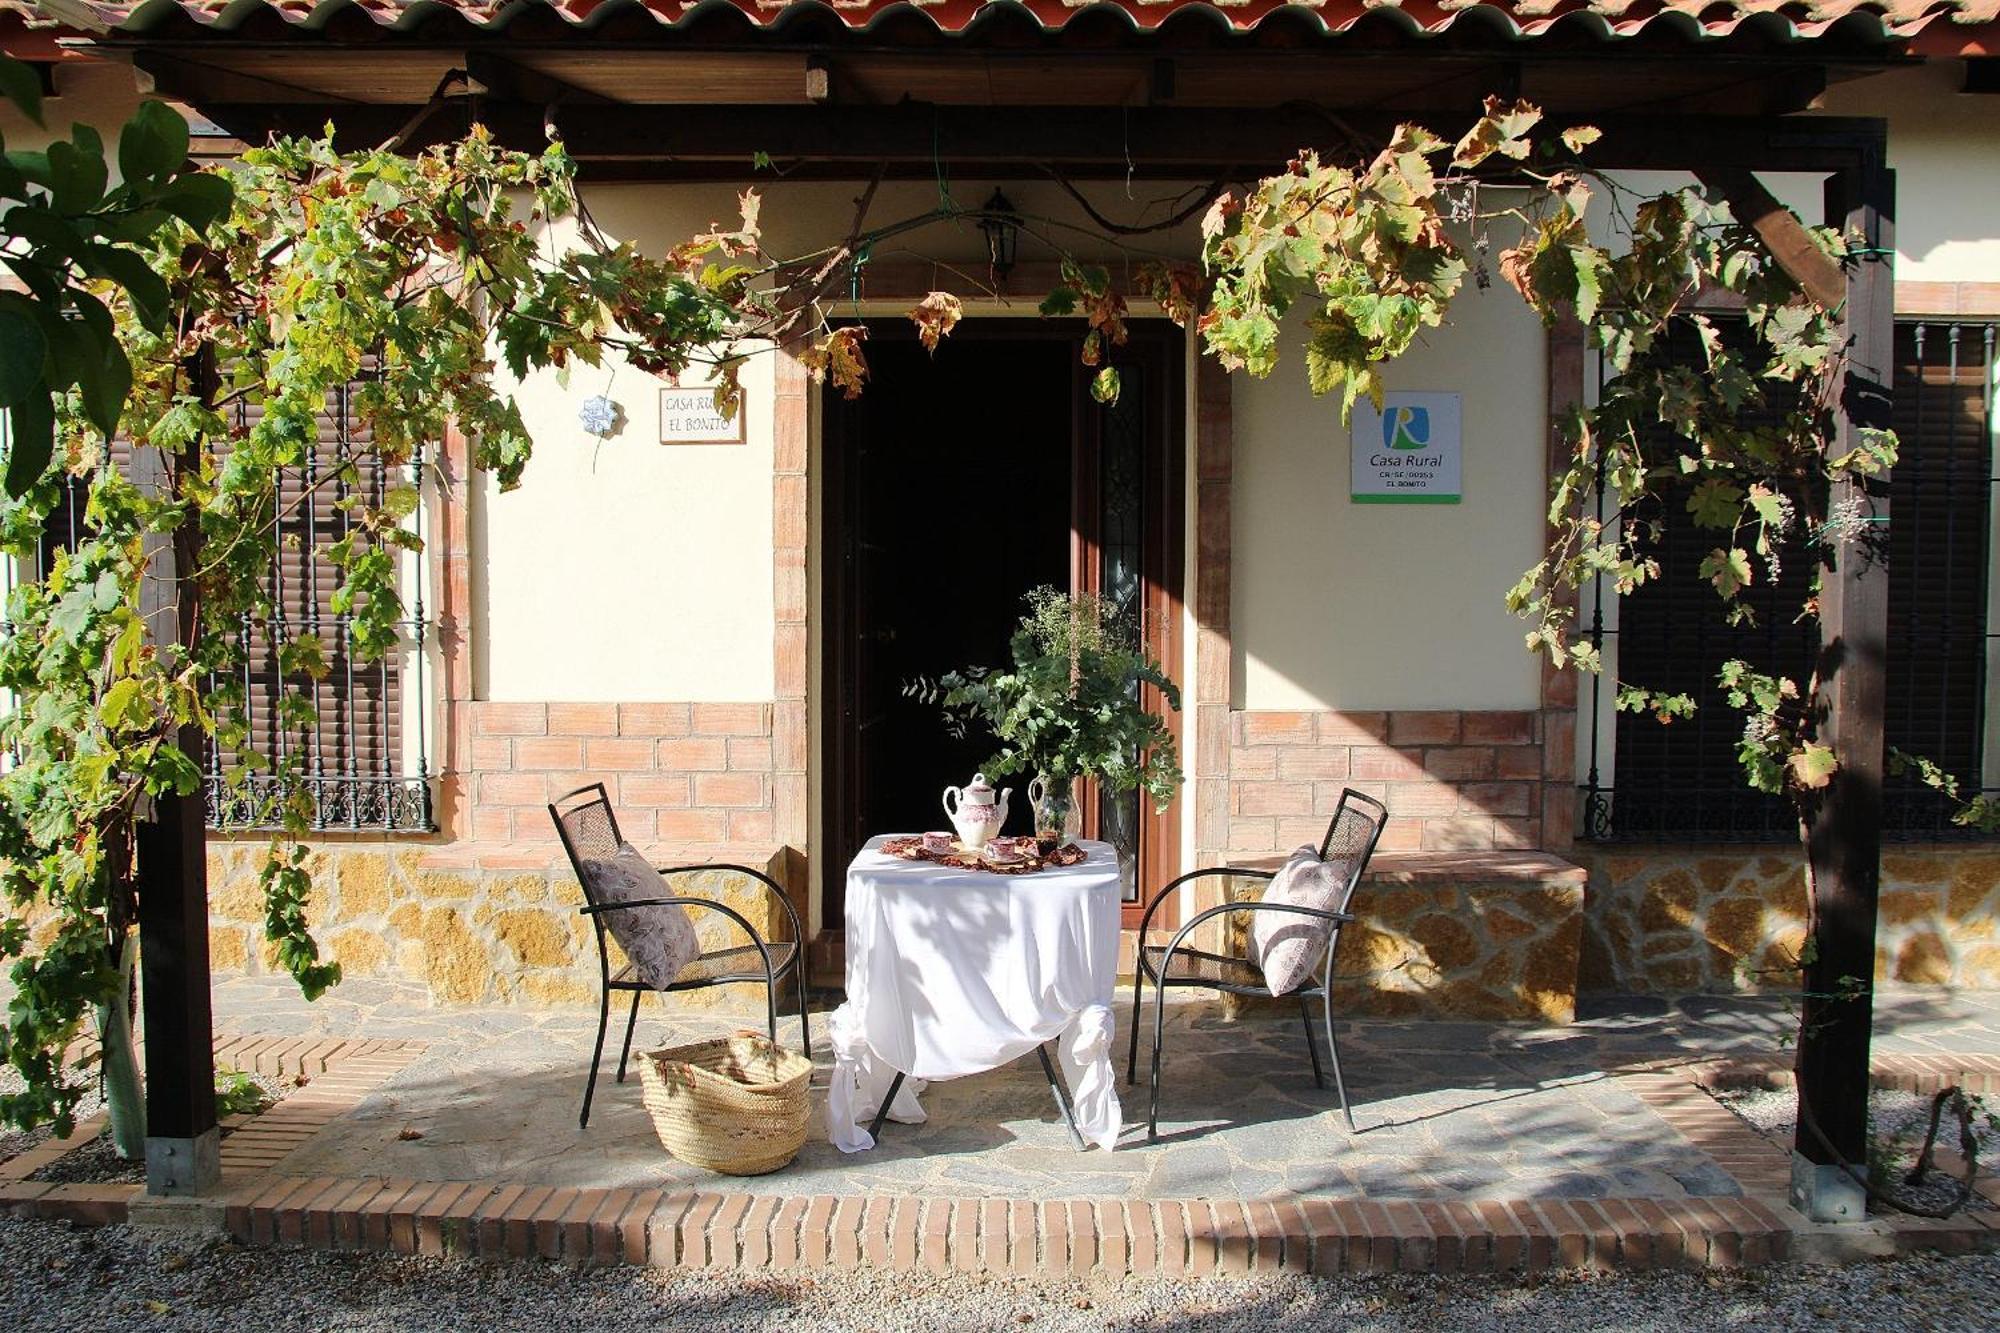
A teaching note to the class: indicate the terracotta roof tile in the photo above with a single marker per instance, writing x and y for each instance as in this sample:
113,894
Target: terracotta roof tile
1894,20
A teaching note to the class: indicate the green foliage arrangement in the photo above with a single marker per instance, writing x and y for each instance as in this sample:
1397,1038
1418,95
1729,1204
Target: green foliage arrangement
1072,705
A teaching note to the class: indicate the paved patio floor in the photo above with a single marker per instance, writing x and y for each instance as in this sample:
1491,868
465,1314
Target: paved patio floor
1445,1110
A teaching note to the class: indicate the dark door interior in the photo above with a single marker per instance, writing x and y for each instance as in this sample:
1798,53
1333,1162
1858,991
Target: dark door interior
953,485
954,476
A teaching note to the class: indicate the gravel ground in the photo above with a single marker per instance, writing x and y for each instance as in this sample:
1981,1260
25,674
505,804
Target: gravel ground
1898,1117
54,1276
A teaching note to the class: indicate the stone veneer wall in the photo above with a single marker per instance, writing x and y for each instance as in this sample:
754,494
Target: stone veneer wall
695,774
498,926
1453,781
1678,919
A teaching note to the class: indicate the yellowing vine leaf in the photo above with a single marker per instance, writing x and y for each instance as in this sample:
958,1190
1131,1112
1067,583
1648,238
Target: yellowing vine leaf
1502,129
1579,137
935,317
1728,570
1813,766
837,357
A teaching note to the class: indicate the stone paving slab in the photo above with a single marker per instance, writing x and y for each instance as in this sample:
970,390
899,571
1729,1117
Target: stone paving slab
1445,1111
1480,1148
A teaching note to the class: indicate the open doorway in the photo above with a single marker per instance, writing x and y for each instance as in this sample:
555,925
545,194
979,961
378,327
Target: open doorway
955,484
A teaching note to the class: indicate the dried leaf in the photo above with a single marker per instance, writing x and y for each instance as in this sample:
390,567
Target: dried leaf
837,357
1502,129
1579,137
935,317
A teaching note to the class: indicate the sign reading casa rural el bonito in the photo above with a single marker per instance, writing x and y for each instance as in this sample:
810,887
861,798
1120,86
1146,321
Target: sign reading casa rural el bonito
1407,453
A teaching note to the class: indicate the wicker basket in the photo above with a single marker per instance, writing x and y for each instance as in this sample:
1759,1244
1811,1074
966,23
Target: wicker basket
736,1105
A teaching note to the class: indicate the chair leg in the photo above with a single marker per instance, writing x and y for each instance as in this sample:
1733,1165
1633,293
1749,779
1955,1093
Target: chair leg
1333,1054
596,1057
771,1007
1132,1055
1159,1037
805,1023
1306,1017
631,1021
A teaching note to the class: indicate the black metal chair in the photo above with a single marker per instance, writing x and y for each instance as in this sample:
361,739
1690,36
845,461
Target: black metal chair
1352,834
589,831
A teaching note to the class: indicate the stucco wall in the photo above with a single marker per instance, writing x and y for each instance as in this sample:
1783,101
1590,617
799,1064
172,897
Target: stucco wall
99,95
1945,147
1371,607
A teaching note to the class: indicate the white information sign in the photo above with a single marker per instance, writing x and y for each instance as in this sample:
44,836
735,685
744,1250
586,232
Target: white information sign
688,416
1408,453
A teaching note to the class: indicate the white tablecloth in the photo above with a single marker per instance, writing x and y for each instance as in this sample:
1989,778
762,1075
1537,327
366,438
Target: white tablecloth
953,972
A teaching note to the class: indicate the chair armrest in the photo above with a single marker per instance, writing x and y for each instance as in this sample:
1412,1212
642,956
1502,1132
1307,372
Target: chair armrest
763,950
1336,919
1173,884
771,887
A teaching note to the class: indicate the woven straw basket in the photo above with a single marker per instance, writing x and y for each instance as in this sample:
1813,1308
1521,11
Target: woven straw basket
736,1105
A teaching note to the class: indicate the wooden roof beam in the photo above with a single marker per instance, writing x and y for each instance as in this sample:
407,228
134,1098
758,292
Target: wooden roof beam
1790,244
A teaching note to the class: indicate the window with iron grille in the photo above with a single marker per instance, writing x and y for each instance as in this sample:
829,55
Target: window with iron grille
365,765
1643,781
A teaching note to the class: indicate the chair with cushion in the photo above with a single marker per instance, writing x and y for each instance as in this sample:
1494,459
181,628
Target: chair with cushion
630,900
1293,933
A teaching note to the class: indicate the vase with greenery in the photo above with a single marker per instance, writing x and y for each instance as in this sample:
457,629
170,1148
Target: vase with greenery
1069,707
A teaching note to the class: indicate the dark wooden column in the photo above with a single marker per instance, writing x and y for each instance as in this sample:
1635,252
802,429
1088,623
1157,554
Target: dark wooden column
182,1154
1845,840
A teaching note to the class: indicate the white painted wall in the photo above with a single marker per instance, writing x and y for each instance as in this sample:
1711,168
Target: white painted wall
1945,147
637,571
1361,606
99,94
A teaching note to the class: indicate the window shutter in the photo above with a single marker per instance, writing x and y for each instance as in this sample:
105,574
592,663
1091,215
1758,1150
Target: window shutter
1683,781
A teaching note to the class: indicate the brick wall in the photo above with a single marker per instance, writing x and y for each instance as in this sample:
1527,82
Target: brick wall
1452,780
684,773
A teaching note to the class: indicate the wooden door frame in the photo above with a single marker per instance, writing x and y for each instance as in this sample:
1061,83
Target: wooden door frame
1161,344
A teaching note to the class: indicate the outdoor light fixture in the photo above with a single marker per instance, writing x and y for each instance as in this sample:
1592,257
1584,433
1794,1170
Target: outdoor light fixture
1003,233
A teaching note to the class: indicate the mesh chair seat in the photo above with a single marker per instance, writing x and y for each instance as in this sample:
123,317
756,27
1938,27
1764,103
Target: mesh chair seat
742,963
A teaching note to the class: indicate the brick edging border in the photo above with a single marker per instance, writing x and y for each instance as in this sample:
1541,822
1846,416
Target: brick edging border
340,1072
1080,1237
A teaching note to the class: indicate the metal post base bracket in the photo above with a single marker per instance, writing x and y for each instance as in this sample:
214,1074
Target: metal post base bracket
1827,1193
184,1166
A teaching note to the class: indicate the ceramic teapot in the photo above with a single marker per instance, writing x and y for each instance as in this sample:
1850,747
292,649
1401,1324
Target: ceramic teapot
976,812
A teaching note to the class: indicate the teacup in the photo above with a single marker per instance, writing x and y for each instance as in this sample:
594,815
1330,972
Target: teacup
938,844
1002,851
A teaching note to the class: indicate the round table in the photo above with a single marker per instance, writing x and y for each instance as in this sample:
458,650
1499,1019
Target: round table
953,972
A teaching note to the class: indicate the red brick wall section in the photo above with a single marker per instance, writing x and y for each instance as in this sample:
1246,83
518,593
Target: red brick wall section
698,774
1452,780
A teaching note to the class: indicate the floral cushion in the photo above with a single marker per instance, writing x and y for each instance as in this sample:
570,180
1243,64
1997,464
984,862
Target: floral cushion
1286,945
660,940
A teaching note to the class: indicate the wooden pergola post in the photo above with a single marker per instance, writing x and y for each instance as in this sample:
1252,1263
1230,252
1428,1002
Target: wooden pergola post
183,1155
1845,840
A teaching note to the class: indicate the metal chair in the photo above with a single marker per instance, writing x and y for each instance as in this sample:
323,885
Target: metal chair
589,831
1352,834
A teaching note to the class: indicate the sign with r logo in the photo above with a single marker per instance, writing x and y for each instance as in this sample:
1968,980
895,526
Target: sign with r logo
1407,453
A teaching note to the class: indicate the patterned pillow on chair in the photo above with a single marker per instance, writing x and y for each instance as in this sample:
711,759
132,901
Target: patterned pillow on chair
660,940
1285,945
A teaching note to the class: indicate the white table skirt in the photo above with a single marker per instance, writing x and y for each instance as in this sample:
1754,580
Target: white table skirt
954,972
